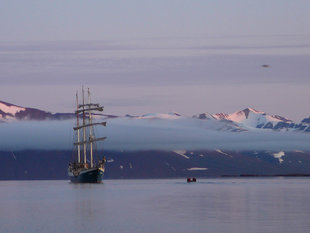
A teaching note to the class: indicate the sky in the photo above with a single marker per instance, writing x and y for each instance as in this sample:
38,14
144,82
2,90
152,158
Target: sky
157,56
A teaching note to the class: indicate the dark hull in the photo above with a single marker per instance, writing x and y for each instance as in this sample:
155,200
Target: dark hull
94,175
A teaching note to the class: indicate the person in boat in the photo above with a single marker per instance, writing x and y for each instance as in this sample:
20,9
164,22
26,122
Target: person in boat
191,179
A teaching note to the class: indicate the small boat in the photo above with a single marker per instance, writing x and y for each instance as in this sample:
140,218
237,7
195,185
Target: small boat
191,179
86,167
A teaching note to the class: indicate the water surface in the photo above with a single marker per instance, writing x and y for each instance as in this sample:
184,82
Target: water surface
210,205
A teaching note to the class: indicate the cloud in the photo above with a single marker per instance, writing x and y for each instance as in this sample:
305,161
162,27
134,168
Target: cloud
149,134
252,47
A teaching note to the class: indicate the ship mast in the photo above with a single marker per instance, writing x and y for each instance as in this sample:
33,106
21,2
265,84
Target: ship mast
84,128
88,134
90,131
78,130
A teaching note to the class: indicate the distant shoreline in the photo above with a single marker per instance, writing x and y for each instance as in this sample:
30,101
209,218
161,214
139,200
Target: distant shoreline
179,178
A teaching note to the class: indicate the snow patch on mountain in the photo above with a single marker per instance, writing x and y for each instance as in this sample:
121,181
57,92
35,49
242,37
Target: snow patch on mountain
197,169
279,156
221,152
182,153
299,151
8,111
110,160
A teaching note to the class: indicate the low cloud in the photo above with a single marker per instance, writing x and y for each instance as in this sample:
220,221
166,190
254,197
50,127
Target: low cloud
150,134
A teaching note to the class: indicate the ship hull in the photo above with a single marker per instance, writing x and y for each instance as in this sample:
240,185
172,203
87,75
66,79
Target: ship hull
93,175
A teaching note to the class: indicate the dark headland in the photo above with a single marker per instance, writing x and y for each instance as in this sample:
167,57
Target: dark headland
52,165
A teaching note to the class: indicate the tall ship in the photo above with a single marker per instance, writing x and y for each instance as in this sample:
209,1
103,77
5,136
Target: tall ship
86,167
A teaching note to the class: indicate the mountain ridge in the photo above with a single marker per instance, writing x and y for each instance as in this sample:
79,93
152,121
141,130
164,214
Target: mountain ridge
246,119
10,111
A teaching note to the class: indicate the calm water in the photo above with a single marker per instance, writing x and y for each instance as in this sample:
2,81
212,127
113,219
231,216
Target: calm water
210,205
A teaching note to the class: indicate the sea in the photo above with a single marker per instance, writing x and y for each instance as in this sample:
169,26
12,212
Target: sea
166,205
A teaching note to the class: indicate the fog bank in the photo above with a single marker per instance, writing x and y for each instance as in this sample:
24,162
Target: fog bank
150,134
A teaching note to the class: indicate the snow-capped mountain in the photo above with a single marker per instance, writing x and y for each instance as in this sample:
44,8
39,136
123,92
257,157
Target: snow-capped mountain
164,116
251,118
14,112
8,111
243,120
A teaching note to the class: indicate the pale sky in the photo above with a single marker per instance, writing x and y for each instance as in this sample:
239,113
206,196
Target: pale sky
158,56
105,20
